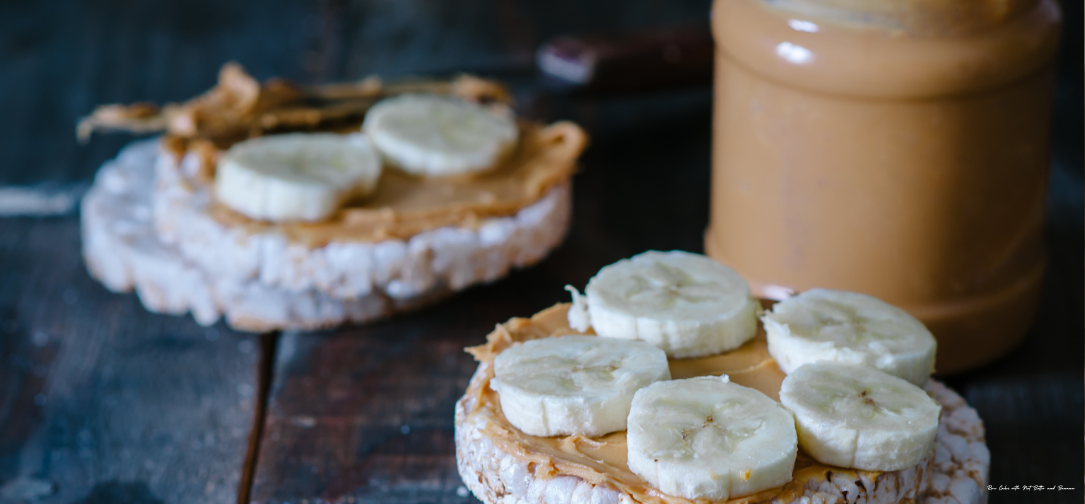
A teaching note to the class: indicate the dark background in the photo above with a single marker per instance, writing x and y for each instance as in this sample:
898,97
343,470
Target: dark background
103,402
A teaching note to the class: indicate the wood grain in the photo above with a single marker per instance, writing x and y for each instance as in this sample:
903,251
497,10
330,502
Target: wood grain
99,400
103,401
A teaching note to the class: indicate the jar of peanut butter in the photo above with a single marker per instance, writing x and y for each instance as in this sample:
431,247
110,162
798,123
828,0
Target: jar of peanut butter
897,148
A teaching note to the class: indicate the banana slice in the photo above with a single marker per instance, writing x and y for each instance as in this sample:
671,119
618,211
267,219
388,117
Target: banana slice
707,438
298,176
431,135
850,415
841,326
687,304
574,384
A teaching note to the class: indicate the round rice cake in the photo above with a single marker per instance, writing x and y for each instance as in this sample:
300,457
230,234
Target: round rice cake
499,471
124,250
276,255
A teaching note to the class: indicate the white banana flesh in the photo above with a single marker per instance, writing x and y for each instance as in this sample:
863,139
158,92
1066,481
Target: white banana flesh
574,384
297,176
850,415
842,326
707,438
687,304
433,135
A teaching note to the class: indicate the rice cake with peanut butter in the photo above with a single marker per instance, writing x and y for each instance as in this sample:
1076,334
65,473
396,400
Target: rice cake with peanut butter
412,241
499,463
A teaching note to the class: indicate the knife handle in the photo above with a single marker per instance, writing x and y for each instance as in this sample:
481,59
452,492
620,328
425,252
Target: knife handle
647,60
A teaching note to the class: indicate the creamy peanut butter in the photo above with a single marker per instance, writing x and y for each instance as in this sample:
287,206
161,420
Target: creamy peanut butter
405,205
603,460
239,107
895,148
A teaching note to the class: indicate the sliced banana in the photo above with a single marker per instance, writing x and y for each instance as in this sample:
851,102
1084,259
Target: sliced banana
841,326
298,176
707,438
851,415
687,304
574,384
433,135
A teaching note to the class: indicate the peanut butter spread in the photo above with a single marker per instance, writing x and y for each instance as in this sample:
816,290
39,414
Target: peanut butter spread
239,107
603,460
405,205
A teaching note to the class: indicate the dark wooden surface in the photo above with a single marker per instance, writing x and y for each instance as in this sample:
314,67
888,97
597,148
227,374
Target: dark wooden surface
103,402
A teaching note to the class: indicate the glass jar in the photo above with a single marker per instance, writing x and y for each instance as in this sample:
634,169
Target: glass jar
893,147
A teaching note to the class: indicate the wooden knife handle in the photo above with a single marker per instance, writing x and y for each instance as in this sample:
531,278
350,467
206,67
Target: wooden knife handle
653,59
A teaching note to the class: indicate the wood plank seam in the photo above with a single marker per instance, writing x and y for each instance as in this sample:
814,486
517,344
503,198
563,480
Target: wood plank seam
268,344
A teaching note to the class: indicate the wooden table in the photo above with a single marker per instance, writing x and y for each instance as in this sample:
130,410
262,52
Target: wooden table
102,402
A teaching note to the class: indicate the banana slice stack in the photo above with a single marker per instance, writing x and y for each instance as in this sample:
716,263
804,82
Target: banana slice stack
309,176
850,398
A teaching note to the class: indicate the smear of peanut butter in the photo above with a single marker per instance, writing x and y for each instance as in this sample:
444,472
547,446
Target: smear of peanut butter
405,205
603,460
239,107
